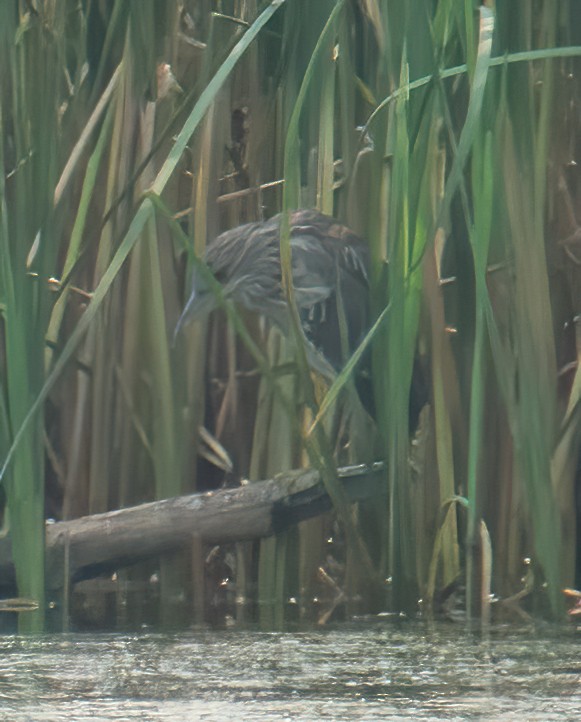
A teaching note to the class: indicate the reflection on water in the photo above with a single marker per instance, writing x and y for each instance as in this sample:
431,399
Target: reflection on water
403,671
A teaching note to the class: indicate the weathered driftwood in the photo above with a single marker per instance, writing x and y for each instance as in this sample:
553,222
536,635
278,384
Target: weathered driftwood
100,543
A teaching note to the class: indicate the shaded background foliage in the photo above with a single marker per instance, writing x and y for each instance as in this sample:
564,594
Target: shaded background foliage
465,185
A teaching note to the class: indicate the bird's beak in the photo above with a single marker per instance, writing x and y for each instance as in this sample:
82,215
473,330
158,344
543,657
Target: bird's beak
185,317
200,303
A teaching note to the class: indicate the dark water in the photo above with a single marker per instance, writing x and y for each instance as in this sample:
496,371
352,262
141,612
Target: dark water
404,671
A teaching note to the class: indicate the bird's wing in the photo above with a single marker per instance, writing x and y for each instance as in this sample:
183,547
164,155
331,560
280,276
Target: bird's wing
325,254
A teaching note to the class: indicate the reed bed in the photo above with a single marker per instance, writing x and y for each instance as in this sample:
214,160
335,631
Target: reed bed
446,136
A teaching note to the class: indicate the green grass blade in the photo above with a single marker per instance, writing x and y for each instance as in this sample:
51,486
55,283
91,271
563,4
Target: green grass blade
141,217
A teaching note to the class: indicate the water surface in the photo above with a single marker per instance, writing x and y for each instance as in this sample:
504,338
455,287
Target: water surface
379,671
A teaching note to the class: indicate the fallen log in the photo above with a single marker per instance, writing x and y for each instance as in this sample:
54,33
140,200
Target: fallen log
94,545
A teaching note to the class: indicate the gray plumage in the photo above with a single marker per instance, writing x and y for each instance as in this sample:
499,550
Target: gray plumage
327,257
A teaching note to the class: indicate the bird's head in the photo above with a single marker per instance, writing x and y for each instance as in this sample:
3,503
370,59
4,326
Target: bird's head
244,267
209,290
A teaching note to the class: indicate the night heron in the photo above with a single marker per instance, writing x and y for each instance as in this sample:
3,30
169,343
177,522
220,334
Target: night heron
330,278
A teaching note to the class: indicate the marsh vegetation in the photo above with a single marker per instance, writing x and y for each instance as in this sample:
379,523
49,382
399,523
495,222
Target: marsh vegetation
446,136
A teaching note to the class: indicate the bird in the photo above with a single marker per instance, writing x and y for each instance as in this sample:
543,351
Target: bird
330,271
